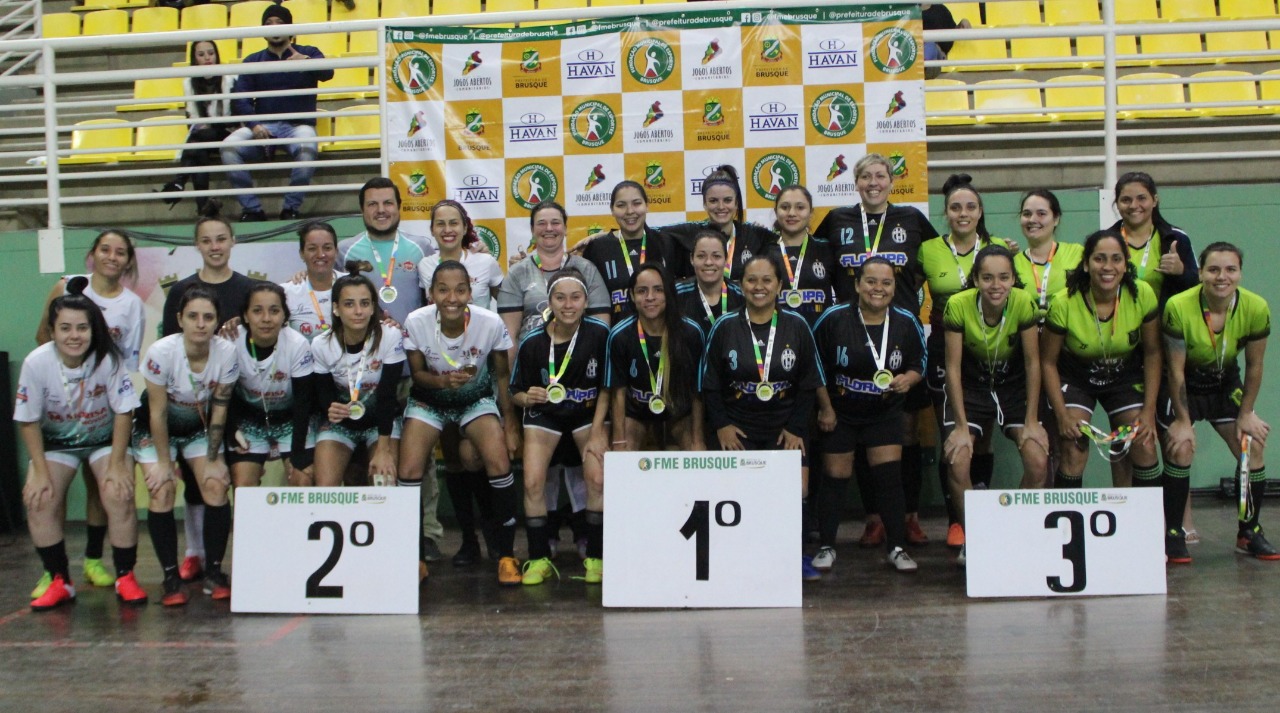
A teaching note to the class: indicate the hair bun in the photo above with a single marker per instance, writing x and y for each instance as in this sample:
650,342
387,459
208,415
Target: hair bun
357,266
77,285
956,180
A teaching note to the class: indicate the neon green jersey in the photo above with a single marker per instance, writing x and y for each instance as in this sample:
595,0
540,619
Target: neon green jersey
1211,358
992,353
947,271
1041,281
1103,352
1145,261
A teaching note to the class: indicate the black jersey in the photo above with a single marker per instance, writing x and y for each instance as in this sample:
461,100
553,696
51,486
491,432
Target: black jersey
813,288
625,368
749,239
231,295
583,377
847,359
730,378
606,254
693,306
904,229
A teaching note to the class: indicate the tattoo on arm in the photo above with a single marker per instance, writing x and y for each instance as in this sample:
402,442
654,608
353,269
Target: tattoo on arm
215,440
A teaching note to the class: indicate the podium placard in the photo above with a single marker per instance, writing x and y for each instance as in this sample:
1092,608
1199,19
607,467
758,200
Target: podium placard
699,529
326,551
1054,543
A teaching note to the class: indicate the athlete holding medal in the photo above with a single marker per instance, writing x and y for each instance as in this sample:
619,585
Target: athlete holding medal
708,295
809,262
563,397
308,300
618,253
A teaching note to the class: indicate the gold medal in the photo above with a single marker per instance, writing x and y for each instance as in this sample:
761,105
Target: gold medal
882,379
388,294
657,405
356,409
794,300
470,369
764,392
556,393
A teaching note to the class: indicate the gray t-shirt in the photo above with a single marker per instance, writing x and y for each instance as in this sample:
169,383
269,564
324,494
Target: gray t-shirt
525,291
408,256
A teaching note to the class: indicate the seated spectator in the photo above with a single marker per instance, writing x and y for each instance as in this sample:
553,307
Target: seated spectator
279,49
936,16
202,54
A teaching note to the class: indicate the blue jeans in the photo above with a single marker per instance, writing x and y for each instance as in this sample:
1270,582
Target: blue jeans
233,155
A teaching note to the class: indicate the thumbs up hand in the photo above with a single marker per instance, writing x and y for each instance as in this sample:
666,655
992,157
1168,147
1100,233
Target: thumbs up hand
295,54
1170,263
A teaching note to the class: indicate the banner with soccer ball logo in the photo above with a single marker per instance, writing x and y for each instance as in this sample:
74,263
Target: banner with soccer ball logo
500,119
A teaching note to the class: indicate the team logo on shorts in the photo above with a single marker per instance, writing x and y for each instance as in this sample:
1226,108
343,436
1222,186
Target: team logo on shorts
834,114
490,240
531,61
899,163
771,49
414,71
418,184
896,104
788,359
895,359
534,183
651,61
712,112
653,175
592,124
594,178
471,63
474,123
893,51
772,173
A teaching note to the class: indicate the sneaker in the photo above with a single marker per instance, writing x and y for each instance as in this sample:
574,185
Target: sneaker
217,585
1175,548
58,593
173,596
98,575
955,536
191,569
872,534
509,572
1253,542
807,571
253,216
289,214
824,559
1192,537
595,570
915,535
960,557
128,591
431,551
468,554
900,560
42,586
537,571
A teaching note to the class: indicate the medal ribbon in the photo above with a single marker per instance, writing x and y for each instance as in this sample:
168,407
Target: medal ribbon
762,366
956,254
879,357
1146,251
1115,314
444,351
315,302
793,278
728,262
1220,353
992,349
655,384
353,385
868,246
554,374
1042,292
66,389
386,276
271,370
626,255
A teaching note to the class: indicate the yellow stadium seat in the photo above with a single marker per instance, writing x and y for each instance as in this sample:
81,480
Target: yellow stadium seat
90,5
971,11
212,16
248,13
661,2
954,98
1071,12
1180,43
118,138
1136,11
612,3
307,11
1240,44
1043,48
506,6
556,5
332,44
1075,98
447,7
106,22
411,8
148,136
1245,89
350,77
994,97
155,19
1132,95
1126,50
1238,9
366,10
979,49
1188,10
154,89
362,44
59,24
1269,89
346,125
1012,14
249,45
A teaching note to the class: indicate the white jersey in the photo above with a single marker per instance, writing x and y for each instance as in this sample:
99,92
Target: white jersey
75,407
332,358
302,301
190,393
266,384
125,319
484,334
484,271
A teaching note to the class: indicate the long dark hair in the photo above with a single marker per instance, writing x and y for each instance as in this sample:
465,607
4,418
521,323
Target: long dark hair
355,278
964,182
679,378
101,345
777,226
130,270
205,85
989,252
274,289
566,273
1078,277
1146,181
469,236
1222,247
726,175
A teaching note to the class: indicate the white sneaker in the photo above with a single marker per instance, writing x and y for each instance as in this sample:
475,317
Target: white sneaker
960,557
900,560
824,559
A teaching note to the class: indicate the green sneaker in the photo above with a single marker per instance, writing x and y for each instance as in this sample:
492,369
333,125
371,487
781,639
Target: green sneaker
537,571
97,574
42,586
595,570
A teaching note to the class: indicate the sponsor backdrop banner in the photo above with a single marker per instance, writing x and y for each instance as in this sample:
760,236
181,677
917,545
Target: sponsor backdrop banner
500,119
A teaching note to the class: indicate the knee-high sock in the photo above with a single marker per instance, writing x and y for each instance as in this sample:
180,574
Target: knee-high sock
1177,485
1257,489
96,537
536,531
866,484
595,534
892,510
981,469
830,506
506,504
164,537
54,559
460,496
418,485
124,558
1147,476
193,527
217,530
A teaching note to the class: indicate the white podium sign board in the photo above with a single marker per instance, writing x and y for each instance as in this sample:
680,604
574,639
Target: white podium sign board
700,529
326,551
1032,543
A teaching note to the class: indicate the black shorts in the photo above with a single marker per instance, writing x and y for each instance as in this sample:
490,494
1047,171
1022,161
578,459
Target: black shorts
1216,408
1113,399
917,398
1004,406
884,430
559,423
936,371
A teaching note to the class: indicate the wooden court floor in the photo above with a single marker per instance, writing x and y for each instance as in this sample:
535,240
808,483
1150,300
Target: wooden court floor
866,639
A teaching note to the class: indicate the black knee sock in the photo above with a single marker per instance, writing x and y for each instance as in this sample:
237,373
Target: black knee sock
866,484
981,469
506,504
124,558
217,531
460,497
536,531
892,510
1146,476
164,537
421,538
944,484
95,537
830,507
480,490
595,534
1177,485
912,470
1062,480
1257,489
54,558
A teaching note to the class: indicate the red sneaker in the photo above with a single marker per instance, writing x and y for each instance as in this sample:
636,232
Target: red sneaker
915,535
59,592
217,585
128,591
174,595
872,535
955,536
191,569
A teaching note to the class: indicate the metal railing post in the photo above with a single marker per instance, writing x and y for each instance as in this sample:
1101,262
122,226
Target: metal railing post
50,239
1110,149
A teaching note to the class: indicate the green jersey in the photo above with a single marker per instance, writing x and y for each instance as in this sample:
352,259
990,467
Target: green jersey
1101,352
1041,280
992,352
1211,357
1145,261
947,270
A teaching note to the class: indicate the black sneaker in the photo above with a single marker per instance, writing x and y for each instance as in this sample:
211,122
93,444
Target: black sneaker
217,585
1254,543
430,550
468,554
253,216
289,214
174,595
1175,548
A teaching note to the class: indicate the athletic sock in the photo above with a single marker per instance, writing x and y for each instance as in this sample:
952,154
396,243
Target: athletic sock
1257,490
125,558
1146,476
981,469
866,484
1062,480
1177,485
95,537
892,511
217,530
595,534
193,526
480,490
506,503
54,558
460,496
536,531
830,507
164,537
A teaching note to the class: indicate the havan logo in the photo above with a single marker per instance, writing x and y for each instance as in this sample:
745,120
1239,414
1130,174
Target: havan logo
591,64
477,189
773,116
533,126
832,53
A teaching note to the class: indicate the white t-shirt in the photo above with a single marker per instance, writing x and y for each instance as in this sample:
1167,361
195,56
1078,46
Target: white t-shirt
484,271
125,319
302,308
331,358
484,334
75,407
266,384
189,392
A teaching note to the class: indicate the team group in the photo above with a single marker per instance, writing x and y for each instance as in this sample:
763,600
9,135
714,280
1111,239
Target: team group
719,334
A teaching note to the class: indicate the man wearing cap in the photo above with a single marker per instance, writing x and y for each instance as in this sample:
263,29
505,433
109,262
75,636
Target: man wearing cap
235,153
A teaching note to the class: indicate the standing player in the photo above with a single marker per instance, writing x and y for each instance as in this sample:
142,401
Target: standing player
1043,265
809,262
618,253
456,238
309,300
1161,253
708,295
726,212
393,256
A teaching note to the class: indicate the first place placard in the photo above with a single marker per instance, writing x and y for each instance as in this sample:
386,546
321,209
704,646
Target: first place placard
326,551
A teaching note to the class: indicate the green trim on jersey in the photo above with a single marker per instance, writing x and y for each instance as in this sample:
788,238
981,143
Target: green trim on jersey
942,269
1066,257
1249,320
1070,315
1003,364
